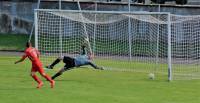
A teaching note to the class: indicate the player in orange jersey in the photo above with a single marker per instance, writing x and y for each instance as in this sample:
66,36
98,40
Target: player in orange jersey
33,55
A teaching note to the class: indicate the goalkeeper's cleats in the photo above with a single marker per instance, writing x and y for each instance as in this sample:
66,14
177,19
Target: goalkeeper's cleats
40,85
49,67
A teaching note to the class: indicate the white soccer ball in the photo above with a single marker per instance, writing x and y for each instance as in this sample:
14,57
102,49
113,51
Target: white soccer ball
151,76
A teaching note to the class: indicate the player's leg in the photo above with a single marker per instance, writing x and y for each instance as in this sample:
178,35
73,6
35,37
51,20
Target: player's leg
69,64
42,73
55,62
65,68
60,72
33,75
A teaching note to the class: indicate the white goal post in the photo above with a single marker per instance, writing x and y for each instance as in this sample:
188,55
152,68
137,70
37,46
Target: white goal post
157,42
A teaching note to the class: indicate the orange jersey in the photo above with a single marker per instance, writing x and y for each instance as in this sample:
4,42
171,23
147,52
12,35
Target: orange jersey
33,55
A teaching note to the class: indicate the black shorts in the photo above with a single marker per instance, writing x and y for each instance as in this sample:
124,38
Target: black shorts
69,62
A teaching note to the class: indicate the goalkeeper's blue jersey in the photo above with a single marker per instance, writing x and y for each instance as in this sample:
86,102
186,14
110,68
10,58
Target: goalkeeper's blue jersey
81,60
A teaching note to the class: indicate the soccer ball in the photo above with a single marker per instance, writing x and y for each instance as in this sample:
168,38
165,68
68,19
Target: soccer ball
151,76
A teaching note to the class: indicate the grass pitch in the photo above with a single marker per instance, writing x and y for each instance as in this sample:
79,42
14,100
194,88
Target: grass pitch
85,85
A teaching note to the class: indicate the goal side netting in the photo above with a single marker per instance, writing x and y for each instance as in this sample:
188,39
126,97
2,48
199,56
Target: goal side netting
123,41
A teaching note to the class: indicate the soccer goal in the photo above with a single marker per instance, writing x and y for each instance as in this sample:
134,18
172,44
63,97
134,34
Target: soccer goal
151,42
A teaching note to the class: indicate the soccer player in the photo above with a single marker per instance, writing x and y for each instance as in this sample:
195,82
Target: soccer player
81,60
33,55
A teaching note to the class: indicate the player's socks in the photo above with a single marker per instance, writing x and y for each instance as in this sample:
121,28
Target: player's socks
36,79
48,78
49,67
40,85
56,75
52,83
54,63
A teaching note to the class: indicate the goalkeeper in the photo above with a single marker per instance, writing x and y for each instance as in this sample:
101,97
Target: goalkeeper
81,60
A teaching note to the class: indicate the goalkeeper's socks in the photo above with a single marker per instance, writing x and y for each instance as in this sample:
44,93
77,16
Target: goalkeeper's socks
49,67
56,75
54,63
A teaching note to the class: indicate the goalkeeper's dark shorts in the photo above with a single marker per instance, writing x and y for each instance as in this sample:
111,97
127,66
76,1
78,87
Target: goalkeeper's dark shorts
69,62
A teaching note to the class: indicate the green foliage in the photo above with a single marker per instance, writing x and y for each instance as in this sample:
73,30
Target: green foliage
86,85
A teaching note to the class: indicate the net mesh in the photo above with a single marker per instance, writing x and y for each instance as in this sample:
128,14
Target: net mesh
185,47
123,41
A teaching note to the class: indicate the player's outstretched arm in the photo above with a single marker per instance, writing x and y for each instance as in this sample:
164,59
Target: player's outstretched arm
95,66
90,56
21,60
83,50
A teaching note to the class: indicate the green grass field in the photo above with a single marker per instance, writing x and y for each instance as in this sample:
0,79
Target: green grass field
85,85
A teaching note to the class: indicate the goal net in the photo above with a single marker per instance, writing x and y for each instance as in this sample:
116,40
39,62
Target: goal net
124,41
185,46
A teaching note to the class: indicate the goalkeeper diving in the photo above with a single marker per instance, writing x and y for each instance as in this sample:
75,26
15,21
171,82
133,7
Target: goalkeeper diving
70,62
